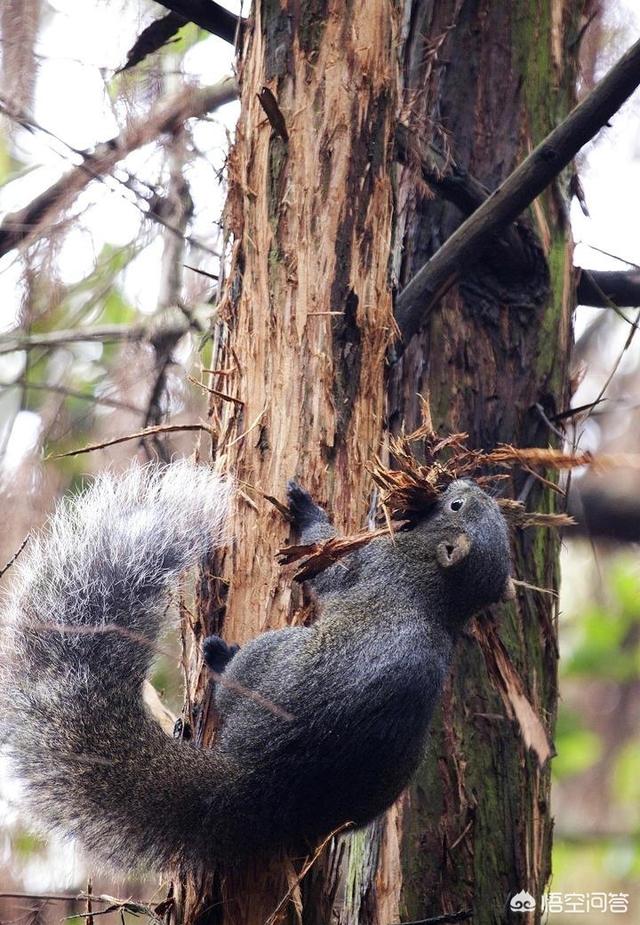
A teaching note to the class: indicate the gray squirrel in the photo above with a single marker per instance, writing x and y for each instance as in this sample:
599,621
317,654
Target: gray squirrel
340,710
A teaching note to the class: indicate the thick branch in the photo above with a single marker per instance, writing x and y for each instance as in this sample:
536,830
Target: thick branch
71,393
208,15
516,193
454,184
606,510
33,220
601,288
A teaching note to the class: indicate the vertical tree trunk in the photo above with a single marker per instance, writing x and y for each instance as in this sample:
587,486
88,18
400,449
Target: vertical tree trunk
323,223
496,78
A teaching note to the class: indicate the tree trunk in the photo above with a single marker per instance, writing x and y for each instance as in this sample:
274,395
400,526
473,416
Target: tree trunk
324,223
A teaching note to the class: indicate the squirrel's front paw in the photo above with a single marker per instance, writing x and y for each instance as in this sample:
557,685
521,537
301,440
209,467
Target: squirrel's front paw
218,653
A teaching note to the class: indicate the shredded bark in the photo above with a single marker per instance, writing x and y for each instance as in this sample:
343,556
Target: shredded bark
319,556
411,489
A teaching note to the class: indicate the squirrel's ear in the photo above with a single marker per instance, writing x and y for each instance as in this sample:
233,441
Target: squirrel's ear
450,553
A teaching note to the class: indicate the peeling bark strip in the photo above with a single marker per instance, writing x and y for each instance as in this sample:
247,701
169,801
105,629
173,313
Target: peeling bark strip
273,112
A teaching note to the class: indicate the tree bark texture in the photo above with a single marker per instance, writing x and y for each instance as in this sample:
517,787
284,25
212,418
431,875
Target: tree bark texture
325,225
496,78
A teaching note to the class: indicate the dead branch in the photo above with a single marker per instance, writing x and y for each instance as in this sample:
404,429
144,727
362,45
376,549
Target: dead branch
600,288
208,15
151,39
106,334
605,509
516,193
35,218
42,897
606,288
454,184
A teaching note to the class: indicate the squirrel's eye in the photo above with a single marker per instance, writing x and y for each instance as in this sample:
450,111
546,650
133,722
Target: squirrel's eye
456,504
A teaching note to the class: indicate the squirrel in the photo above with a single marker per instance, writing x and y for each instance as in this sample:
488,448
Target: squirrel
321,725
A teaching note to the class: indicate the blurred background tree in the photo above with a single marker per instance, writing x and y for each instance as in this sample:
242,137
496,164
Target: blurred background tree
106,287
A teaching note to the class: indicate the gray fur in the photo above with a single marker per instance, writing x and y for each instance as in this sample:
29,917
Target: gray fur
359,686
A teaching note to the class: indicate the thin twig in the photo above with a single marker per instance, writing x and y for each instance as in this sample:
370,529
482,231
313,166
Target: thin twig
11,561
619,359
108,629
216,392
109,333
89,898
148,431
460,916
59,897
305,870
72,393
246,432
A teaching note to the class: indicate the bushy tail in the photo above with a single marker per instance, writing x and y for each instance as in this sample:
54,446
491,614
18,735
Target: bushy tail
79,633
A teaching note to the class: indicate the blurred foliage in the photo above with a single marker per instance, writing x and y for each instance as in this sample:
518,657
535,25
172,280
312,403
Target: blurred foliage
578,748
166,675
627,774
597,768
606,637
25,844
